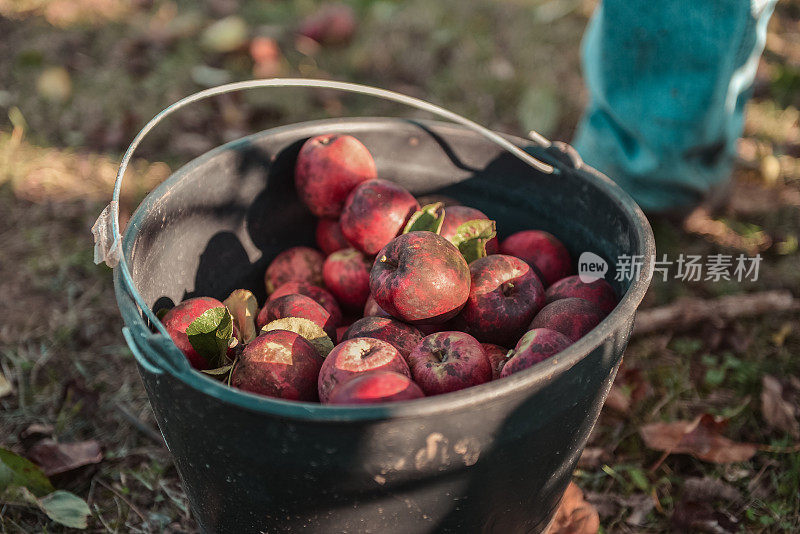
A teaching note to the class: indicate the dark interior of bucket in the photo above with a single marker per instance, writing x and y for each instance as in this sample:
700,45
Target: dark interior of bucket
218,221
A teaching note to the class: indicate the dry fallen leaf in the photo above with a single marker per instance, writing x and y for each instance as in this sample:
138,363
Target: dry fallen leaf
5,386
636,506
574,514
56,458
700,438
702,507
35,433
629,387
618,400
777,407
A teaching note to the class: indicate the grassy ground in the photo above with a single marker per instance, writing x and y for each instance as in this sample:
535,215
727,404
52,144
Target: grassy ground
77,80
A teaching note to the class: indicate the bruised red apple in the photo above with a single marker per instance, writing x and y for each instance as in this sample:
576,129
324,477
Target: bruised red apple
371,309
296,264
328,168
455,216
297,306
542,251
332,23
279,364
330,237
420,277
504,296
374,387
572,317
353,357
497,358
178,319
449,361
346,275
313,292
535,346
598,292
401,336
375,212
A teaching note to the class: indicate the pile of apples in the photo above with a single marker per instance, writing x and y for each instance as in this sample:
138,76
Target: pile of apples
401,301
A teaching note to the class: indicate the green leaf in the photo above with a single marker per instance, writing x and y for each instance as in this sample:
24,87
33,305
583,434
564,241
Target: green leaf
471,238
639,478
427,219
243,307
210,335
65,508
17,471
220,372
306,328
715,377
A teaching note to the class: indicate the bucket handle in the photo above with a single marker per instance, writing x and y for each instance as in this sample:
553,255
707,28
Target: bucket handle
108,240
137,353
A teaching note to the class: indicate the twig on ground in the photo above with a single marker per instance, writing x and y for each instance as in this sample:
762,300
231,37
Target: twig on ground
688,313
139,425
123,499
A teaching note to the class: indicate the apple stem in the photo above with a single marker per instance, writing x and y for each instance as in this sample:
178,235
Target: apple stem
389,262
366,353
507,288
440,355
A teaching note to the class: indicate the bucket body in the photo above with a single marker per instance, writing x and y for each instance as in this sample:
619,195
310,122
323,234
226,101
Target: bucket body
493,458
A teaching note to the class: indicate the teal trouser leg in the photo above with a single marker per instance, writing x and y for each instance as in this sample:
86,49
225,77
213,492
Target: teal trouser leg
668,80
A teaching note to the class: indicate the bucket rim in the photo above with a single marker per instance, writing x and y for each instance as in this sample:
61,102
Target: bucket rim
619,318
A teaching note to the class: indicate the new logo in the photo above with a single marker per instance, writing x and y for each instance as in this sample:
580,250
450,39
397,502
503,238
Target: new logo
591,267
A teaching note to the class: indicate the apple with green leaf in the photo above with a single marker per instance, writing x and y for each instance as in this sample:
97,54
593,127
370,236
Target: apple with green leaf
202,328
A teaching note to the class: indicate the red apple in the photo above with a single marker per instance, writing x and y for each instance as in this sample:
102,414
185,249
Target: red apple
355,356
401,336
572,317
455,216
178,319
330,237
449,361
332,24
296,264
536,345
371,309
313,292
497,358
297,306
504,296
542,251
279,364
375,212
420,277
346,275
598,292
328,168
374,387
